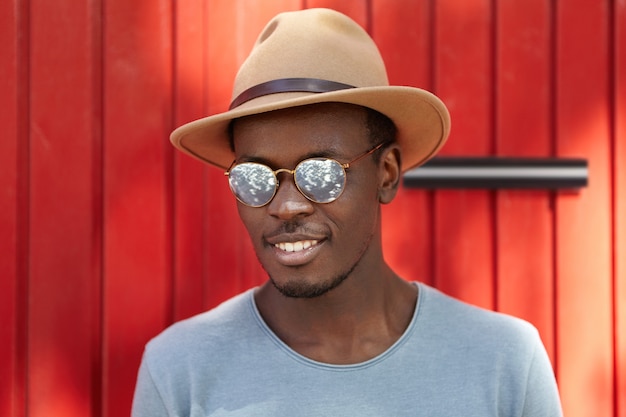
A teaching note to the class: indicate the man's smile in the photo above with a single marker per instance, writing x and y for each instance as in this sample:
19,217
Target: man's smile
295,246
296,251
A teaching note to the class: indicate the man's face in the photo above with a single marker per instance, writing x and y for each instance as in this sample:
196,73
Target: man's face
310,248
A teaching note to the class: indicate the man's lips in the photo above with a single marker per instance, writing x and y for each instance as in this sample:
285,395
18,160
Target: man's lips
296,246
295,249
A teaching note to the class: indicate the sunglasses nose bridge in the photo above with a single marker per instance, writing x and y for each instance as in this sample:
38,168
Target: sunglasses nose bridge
285,170
289,171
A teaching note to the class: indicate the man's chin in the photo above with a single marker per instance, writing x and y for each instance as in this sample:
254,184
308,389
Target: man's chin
297,289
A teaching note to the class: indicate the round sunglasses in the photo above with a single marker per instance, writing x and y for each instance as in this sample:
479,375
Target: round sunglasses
321,180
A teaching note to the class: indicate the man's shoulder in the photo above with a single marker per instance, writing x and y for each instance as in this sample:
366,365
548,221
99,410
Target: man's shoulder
464,321
206,330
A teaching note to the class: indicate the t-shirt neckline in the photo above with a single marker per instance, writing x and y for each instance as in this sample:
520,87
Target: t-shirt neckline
335,367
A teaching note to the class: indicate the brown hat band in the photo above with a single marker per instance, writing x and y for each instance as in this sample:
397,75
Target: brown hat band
288,85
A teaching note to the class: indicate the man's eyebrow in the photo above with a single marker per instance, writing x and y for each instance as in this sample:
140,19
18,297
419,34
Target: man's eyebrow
333,151
325,153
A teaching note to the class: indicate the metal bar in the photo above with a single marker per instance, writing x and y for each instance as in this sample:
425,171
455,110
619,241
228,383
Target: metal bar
499,173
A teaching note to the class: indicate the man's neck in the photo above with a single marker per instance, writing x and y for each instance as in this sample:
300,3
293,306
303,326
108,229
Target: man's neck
352,323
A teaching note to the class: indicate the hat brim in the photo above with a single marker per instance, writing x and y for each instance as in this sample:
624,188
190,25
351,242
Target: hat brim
421,119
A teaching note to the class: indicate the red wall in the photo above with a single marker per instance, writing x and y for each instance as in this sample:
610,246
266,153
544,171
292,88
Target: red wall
107,235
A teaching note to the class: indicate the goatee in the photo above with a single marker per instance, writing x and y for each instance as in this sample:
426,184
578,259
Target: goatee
295,289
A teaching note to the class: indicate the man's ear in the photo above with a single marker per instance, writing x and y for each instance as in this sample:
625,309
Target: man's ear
390,169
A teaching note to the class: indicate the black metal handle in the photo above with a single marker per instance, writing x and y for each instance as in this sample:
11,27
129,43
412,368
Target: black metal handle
499,173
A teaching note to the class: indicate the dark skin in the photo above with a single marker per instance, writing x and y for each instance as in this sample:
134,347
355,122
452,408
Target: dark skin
345,305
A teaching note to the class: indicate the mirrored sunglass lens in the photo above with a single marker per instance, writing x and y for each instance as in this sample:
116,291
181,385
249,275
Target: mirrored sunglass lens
253,184
320,179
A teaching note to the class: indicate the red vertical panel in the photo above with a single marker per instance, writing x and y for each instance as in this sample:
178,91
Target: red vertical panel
584,305
65,262
13,203
619,199
221,225
523,129
463,219
402,33
188,173
137,188
230,261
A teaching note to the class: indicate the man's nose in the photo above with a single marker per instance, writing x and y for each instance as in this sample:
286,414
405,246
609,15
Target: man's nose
289,201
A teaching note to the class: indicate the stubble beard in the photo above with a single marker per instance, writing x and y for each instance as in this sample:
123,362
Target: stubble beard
295,289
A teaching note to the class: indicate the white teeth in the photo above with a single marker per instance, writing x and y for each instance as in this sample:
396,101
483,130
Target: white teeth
295,246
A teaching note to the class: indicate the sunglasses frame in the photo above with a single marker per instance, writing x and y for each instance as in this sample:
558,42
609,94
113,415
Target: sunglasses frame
344,166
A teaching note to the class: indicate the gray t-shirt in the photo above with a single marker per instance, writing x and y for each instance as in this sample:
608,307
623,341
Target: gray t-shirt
453,360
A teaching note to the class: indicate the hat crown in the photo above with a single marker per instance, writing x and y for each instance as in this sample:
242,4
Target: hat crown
318,56
314,43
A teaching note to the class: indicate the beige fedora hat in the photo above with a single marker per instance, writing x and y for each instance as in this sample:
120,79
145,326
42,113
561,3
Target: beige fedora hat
313,56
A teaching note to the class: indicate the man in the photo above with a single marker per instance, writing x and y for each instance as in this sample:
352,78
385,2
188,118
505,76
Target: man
314,142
